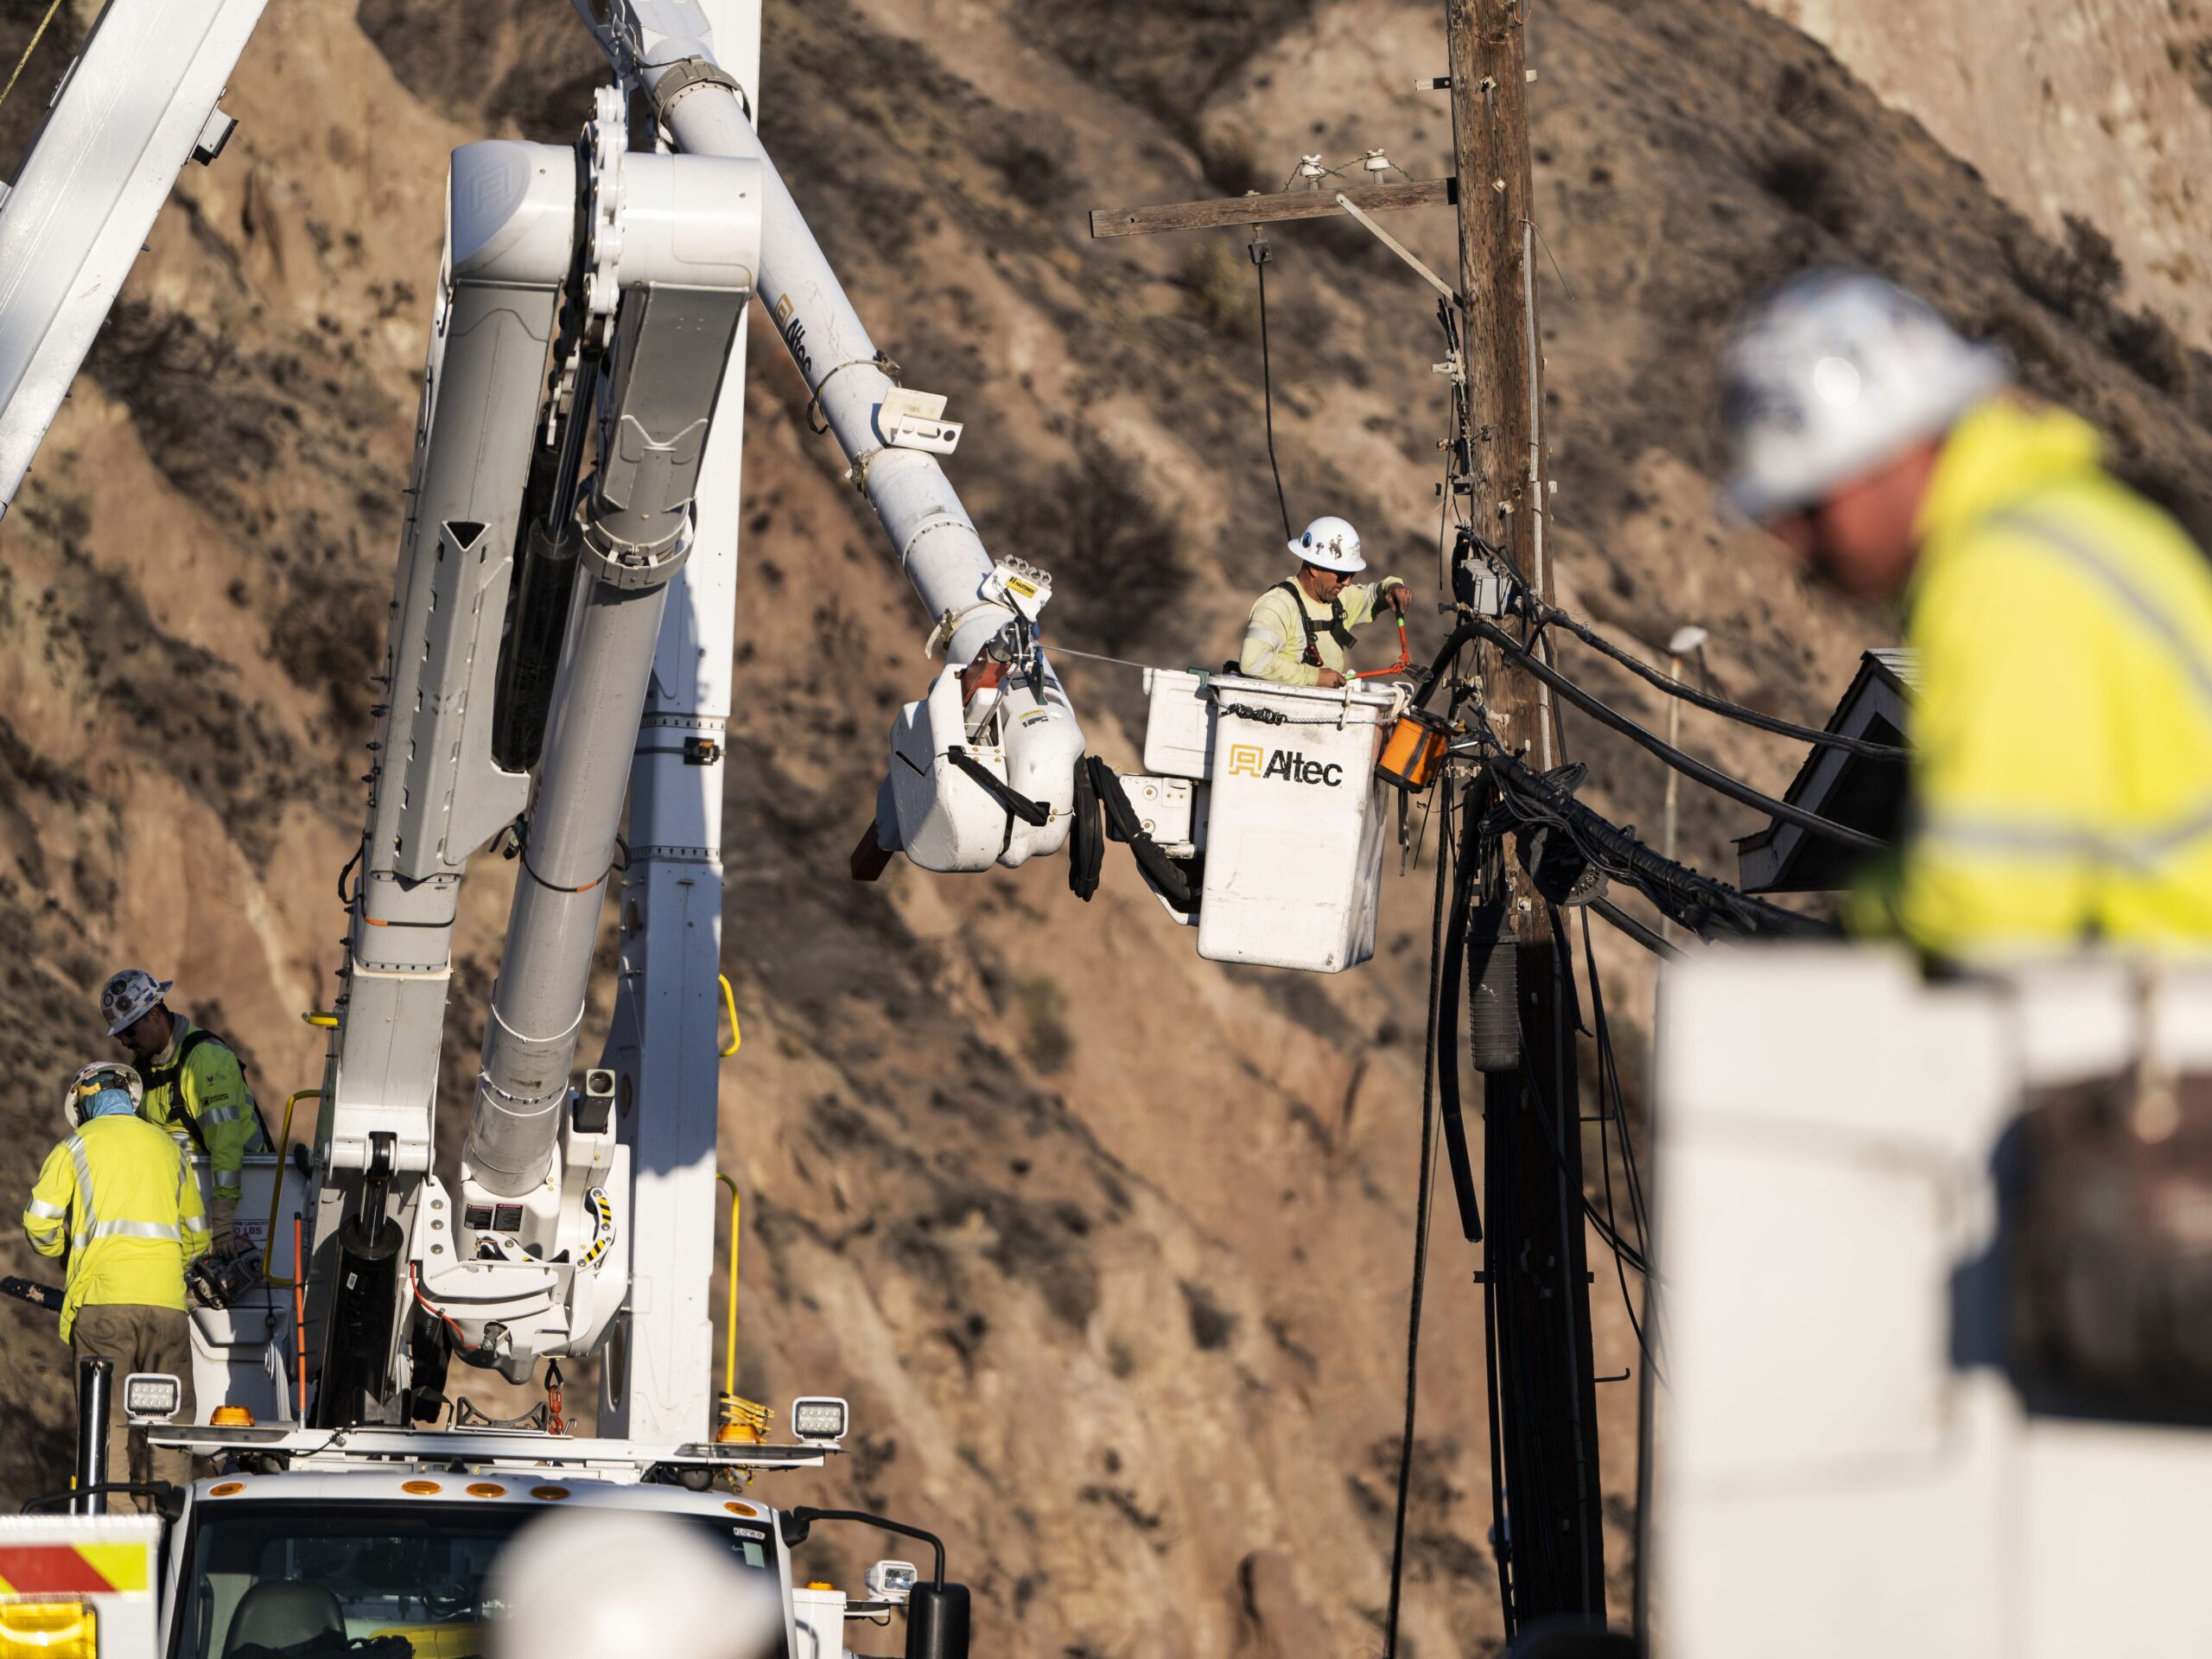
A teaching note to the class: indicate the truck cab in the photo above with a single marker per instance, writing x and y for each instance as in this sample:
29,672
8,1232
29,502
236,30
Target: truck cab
398,1561
382,1541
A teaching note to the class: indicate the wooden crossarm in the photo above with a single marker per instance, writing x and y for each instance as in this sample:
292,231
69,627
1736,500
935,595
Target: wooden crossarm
1266,210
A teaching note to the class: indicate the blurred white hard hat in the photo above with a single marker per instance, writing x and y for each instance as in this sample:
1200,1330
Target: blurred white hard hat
626,1584
1331,542
1834,374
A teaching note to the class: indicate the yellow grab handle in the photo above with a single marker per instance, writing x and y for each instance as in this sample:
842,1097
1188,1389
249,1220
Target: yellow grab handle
729,1321
276,1180
736,1037
328,1021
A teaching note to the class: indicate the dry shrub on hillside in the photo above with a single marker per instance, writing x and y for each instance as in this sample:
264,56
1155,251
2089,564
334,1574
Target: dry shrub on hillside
206,418
1223,291
1098,525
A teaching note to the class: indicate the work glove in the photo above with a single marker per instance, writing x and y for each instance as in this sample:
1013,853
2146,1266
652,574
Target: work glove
221,1211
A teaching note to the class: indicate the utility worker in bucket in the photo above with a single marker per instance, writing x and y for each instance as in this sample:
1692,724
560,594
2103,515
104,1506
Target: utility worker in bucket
1299,629
118,1197
2061,728
194,1086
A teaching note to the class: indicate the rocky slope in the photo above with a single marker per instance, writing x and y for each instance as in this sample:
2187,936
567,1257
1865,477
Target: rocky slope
2093,109
1108,1246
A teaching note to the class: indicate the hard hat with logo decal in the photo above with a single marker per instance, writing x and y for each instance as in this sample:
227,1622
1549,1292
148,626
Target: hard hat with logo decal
1331,542
91,1092
1835,374
129,996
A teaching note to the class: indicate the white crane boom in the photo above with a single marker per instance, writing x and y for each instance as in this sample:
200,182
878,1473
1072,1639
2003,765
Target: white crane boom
135,105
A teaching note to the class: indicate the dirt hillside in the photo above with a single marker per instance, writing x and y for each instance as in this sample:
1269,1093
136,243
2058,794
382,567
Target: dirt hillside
1108,1246
2095,110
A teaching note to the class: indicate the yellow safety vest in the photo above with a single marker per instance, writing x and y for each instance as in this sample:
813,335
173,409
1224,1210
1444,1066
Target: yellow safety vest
197,1091
2062,728
119,1197
1283,622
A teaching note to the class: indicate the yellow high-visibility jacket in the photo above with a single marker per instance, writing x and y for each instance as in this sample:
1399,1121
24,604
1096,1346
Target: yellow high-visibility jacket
1275,634
2062,729
208,1090
119,1195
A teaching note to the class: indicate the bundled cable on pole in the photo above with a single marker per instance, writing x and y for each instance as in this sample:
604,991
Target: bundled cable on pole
1688,765
1701,904
1551,614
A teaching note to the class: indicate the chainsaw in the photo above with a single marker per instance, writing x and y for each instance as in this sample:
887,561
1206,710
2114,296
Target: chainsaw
25,1290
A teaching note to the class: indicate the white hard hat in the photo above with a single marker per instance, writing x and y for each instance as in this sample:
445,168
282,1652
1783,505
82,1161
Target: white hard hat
629,1584
101,1074
1834,374
129,996
1331,542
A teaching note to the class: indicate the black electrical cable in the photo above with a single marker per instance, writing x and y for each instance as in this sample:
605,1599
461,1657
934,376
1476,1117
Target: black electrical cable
1444,1035
1698,901
1688,765
1609,1112
1562,1112
1260,257
1707,701
1646,1329
1620,919
345,897
1557,1147
1487,877
1423,1186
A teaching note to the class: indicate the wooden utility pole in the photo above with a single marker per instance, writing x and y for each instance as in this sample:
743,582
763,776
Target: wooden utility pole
1535,1270
1534,1260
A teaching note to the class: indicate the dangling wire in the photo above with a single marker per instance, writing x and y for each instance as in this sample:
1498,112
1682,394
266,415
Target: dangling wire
37,34
1263,254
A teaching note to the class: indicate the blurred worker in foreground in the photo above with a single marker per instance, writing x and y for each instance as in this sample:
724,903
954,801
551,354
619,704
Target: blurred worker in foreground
627,1584
194,1086
1299,629
118,1197
2061,726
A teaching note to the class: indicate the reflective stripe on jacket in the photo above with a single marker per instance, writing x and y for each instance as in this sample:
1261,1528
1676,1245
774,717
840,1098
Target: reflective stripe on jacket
215,1096
119,1197
1275,638
2061,730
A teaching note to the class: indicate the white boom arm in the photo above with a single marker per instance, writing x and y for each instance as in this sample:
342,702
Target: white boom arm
137,104
630,284
1022,730
654,256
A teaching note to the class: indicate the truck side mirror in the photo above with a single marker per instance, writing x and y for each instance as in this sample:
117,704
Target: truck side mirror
937,1622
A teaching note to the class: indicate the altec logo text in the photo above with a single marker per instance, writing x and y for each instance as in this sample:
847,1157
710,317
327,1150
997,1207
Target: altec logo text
1289,764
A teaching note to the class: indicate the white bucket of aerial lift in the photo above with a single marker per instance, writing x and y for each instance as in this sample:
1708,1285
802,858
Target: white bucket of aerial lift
1291,815
945,820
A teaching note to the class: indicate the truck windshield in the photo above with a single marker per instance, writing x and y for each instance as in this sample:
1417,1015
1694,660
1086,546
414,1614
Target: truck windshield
300,1580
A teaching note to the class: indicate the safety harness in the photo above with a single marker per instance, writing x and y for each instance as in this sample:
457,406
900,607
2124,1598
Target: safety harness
165,1076
1338,630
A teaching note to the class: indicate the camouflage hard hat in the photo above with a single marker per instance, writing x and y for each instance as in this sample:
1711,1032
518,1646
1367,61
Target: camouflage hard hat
129,996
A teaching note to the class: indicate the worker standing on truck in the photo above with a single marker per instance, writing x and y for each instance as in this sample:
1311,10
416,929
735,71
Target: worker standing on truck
2061,624
1300,628
194,1086
117,1196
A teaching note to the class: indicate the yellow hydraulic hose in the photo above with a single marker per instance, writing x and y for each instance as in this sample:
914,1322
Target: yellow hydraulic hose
277,1188
729,1321
736,1037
